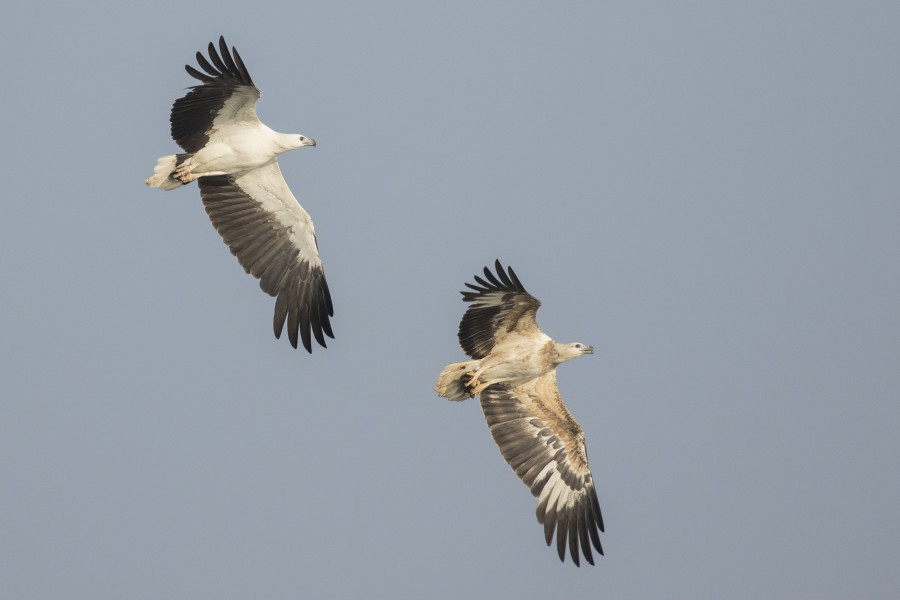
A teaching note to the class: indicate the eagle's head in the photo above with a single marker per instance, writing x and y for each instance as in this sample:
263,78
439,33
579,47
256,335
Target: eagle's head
566,352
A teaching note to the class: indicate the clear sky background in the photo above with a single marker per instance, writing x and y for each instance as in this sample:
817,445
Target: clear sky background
707,193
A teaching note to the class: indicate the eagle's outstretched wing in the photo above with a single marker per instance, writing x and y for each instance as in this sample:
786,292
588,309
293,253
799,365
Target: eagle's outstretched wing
544,445
500,305
274,240
227,94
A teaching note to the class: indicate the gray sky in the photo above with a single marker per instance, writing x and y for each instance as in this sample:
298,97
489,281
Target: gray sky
707,194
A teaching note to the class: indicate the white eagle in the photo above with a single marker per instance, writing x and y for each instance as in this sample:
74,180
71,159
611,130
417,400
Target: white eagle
514,369
234,158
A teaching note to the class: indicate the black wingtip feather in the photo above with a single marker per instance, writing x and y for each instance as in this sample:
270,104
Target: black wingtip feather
223,66
502,274
583,537
305,329
595,509
226,55
484,284
240,65
515,280
317,332
292,327
549,526
505,279
573,541
562,528
197,74
305,320
220,68
204,64
490,277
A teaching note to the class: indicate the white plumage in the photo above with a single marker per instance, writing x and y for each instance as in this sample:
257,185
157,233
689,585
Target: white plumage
234,158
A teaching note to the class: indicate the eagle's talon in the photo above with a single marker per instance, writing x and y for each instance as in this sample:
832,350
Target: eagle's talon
470,380
472,385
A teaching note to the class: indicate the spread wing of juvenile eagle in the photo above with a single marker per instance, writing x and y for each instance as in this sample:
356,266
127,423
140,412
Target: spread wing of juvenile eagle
232,155
544,445
513,368
500,306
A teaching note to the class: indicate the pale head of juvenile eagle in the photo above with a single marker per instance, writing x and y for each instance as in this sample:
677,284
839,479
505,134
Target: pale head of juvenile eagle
233,156
514,370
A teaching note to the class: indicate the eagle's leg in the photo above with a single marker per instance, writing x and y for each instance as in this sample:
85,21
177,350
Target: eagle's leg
185,173
472,384
476,389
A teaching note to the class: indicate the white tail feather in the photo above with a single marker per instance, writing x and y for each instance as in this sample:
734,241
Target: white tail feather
162,174
449,384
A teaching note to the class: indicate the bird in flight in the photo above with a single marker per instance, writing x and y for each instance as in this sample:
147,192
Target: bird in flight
234,158
513,369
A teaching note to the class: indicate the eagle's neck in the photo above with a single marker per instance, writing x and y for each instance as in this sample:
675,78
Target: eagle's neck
286,141
563,352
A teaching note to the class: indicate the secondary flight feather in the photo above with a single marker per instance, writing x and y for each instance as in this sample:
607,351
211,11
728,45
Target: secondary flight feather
514,371
234,158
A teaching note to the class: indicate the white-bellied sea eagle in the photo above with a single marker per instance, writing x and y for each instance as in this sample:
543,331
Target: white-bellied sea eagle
234,158
514,369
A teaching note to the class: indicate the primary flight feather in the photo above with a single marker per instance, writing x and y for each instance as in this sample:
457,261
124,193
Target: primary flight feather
514,371
234,158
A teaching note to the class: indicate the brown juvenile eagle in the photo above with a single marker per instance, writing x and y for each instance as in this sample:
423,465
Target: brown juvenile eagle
514,369
233,157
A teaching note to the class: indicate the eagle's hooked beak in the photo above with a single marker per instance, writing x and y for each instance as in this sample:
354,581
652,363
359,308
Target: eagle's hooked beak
588,350
307,141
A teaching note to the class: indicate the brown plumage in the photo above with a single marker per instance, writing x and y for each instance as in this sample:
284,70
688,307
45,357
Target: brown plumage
514,371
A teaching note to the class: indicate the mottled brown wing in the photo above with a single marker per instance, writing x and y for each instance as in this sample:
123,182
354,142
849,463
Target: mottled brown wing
500,305
544,445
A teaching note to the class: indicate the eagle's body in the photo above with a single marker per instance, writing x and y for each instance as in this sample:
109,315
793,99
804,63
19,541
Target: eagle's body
516,361
513,368
240,148
233,155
